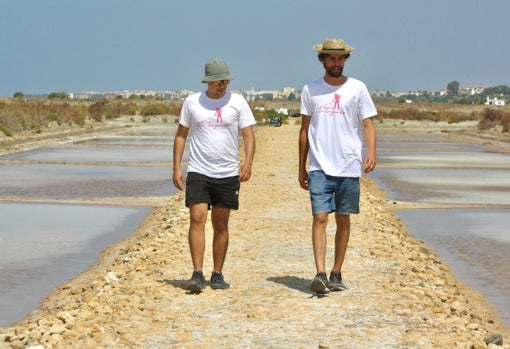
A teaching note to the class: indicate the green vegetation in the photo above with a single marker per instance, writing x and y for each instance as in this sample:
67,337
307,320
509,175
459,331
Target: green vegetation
52,117
20,114
58,95
35,114
5,131
159,108
488,117
268,115
453,88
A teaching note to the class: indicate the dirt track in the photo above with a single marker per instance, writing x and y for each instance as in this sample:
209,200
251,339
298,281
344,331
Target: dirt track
401,295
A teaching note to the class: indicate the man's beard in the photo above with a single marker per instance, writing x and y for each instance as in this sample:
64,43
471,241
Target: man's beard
334,73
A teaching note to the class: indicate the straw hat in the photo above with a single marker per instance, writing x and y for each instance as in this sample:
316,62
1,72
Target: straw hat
335,46
216,70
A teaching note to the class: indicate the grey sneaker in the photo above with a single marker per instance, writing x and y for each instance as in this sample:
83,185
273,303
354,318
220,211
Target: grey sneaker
197,282
319,283
217,281
335,282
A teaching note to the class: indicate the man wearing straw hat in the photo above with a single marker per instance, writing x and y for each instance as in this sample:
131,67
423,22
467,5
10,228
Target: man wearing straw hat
336,111
213,119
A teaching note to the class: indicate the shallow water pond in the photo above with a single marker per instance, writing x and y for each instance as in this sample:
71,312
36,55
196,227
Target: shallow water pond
84,181
44,245
475,243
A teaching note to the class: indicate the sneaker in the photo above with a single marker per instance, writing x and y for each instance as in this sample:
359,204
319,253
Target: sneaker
197,282
335,282
319,283
217,281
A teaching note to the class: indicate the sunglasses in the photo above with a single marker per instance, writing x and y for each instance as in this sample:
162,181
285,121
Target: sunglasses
220,82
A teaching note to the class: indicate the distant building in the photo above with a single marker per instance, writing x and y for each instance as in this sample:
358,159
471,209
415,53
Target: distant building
471,90
495,101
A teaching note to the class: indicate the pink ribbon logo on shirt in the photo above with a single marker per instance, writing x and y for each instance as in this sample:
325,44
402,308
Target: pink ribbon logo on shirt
218,115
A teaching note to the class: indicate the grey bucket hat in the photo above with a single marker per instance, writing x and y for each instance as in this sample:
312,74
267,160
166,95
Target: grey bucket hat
216,70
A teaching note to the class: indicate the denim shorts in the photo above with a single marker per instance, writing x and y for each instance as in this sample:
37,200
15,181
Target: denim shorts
333,194
220,192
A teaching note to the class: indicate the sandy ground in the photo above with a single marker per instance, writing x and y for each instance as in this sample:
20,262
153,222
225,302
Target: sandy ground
401,295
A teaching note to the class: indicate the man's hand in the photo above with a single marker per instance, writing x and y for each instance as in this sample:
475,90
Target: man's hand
244,173
368,164
179,180
303,180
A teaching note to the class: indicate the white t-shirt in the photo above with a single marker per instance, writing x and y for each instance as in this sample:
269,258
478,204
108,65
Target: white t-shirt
335,134
214,132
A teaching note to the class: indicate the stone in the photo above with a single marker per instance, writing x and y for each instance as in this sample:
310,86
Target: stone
494,338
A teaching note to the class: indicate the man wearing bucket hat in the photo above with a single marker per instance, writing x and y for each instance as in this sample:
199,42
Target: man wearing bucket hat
213,119
336,112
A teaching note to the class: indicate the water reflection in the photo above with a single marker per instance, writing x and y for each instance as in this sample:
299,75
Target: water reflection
452,186
474,242
423,143
448,159
44,245
71,155
83,181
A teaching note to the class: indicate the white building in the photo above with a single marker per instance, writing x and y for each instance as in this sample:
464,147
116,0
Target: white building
495,101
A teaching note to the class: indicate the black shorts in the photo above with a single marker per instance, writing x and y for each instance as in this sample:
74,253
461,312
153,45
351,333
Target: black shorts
220,192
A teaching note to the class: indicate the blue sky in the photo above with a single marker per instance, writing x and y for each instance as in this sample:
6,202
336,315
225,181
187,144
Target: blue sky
115,45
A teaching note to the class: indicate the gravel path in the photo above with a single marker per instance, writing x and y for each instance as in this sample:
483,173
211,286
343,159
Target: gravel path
401,295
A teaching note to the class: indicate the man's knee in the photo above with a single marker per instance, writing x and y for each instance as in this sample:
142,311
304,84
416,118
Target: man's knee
198,214
320,218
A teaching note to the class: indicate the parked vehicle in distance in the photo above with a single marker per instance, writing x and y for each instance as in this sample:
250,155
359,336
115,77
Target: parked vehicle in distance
275,122
293,113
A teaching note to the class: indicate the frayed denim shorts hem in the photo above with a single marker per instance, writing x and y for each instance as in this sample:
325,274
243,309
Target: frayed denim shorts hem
333,194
